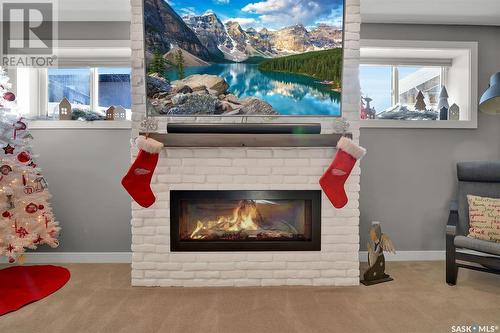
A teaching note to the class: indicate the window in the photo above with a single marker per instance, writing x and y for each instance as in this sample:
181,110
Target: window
412,79
74,84
114,87
89,88
402,80
385,86
95,88
376,86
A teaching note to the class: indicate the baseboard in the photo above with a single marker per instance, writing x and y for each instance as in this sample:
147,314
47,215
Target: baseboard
76,257
126,257
408,256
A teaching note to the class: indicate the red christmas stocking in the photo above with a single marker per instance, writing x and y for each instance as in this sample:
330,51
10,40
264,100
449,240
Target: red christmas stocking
138,178
332,182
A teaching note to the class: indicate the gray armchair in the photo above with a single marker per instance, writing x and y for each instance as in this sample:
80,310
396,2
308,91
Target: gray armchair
482,179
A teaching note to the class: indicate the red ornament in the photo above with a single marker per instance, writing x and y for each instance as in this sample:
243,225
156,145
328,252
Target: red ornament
23,157
19,126
5,169
22,232
31,208
11,260
38,240
9,96
6,214
28,189
41,207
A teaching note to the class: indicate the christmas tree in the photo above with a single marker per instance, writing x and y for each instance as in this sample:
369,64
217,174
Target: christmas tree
420,104
26,219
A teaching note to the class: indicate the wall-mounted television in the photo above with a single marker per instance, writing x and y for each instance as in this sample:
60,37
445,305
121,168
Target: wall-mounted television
243,57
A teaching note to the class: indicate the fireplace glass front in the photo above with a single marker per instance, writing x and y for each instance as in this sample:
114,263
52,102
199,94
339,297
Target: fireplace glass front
245,220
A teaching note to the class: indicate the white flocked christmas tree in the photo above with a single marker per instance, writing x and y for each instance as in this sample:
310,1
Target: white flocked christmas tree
26,218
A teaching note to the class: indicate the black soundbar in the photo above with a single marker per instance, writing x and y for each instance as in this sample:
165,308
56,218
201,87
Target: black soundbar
265,128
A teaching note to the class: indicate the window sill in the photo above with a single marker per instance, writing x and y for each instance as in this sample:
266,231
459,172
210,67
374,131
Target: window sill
380,123
77,124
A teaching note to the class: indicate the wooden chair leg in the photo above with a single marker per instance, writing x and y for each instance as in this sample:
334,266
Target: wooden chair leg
451,265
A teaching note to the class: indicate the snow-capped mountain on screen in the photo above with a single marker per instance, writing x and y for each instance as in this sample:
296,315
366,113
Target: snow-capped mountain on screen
230,41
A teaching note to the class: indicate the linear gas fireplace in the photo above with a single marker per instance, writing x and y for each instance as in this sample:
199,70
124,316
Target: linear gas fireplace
245,220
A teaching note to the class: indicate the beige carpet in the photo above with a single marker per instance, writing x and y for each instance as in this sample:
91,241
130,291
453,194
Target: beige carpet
98,298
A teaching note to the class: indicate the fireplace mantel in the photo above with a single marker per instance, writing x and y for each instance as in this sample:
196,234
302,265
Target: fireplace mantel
247,140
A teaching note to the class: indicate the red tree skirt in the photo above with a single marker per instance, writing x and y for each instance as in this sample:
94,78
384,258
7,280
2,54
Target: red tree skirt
21,285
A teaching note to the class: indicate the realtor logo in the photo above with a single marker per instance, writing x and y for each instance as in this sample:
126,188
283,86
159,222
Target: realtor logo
28,32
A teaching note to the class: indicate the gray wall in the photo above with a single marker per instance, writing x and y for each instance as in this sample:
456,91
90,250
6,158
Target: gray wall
84,168
408,175
407,180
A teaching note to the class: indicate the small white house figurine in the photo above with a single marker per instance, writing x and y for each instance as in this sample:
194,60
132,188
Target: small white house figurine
120,113
65,109
454,112
110,113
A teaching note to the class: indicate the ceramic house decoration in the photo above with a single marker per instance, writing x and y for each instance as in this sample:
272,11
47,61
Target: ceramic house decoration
443,113
65,109
443,99
454,112
120,113
110,113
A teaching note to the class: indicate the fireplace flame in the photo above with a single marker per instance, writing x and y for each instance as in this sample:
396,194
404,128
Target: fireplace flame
245,217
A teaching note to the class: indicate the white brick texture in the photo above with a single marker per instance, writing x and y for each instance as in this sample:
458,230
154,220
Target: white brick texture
247,168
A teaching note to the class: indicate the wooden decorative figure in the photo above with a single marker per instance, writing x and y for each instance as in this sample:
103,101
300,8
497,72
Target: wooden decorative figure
110,113
454,112
443,99
120,113
65,109
420,104
378,243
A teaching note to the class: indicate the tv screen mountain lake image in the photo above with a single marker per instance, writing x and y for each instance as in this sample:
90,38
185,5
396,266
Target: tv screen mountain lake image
237,57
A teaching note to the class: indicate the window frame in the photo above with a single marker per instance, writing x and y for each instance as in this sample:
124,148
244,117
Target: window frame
388,53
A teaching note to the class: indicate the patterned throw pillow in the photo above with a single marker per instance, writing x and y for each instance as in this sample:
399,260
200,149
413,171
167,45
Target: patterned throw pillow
484,218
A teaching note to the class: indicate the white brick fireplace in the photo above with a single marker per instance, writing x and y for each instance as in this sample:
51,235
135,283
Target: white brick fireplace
247,169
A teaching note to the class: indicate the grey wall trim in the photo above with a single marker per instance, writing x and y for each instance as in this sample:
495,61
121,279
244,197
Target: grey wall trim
126,257
118,30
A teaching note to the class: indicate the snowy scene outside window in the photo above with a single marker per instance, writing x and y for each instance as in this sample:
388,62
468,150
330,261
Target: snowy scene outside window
93,89
389,88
